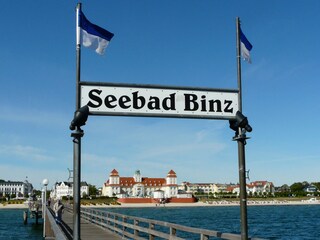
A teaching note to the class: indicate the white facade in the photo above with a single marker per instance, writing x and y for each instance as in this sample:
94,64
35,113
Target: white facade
257,188
65,189
138,186
204,188
158,194
19,189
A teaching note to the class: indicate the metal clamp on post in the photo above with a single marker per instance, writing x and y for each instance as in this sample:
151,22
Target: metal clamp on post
78,133
241,136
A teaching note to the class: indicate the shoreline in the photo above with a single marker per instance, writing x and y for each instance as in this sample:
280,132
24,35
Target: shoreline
13,206
197,204
202,204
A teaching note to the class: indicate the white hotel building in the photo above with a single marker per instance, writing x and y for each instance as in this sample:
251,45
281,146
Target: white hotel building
19,189
65,189
138,186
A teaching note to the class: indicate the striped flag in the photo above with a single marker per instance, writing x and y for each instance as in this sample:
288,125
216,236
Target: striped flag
92,35
245,47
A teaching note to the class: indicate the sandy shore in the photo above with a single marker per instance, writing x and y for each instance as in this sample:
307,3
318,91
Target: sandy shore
197,204
207,204
13,206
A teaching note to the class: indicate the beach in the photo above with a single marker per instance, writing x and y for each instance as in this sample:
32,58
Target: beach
206,204
13,206
197,204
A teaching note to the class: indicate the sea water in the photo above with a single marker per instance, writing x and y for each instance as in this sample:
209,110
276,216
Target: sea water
292,222
12,227
268,222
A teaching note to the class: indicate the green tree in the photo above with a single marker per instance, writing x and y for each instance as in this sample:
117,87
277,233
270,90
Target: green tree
92,190
37,192
297,187
84,195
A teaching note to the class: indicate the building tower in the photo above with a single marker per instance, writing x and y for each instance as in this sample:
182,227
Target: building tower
137,176
114,183
171,185
114,177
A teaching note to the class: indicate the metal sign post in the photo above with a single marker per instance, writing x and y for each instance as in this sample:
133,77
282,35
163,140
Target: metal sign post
241,139
77,134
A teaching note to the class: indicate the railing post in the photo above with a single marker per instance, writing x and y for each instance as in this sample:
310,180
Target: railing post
151,226
115,224
173,231
108,219
102,220
124,228
204,237
136,232
91,215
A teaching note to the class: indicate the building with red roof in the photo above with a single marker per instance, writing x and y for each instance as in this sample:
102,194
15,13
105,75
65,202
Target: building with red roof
138,186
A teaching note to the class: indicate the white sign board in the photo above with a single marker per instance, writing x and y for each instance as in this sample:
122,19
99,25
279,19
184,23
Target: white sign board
138,100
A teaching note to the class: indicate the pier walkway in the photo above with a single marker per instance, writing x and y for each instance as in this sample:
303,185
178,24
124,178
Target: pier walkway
98,224
88,231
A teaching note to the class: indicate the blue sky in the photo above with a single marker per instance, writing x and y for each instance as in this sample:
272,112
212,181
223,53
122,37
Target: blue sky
179,43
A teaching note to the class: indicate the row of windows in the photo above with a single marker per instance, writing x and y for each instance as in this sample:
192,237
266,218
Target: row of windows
10,189
11,185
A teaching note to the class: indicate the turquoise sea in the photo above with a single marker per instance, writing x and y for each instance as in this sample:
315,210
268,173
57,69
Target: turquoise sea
268,222
12,227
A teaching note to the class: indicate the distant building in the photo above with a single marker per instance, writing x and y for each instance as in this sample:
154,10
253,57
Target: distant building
261,187
17,188
310,189
138,186
283,189
258,188
204,188
65,189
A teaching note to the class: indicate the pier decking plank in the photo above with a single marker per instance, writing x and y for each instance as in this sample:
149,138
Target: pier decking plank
88,230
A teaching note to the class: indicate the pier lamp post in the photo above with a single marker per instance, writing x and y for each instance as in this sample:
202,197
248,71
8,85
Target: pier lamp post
45,183
241,125
42,201
80,118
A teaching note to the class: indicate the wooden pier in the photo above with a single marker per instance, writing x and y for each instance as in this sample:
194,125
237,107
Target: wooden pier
99,224
64,231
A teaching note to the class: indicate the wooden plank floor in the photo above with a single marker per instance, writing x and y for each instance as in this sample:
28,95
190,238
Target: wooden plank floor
89,231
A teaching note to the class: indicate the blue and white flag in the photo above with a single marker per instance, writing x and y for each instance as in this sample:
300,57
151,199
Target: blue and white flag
245,47
91,35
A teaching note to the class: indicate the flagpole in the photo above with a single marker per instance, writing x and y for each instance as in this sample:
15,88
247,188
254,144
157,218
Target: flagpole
78,57
239,64
241,139
77,135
